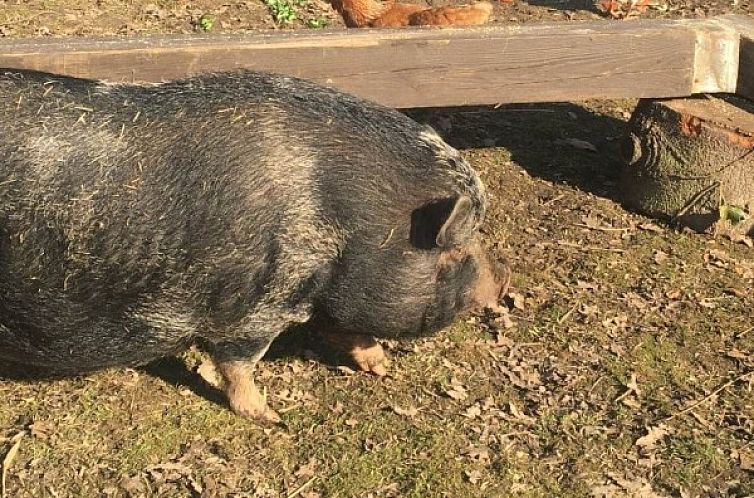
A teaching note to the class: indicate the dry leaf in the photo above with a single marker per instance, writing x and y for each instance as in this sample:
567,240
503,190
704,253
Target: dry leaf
631,388
308,470
506,320
673,294
591,222
132,485
746,461
406,412
473,411
581,284
502,341
617,349
170,471
351,422
615,323
478,454
588,310
41,430
473,476
631,403
660,256
740,293
707,303
624,488
517,414
738,355
457,392
632,384
716,255
648,442
518,300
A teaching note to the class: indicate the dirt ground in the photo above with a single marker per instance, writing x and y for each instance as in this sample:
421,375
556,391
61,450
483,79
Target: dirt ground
623,368
132,17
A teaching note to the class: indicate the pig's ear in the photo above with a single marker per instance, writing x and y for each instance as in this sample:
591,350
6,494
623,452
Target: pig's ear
459,225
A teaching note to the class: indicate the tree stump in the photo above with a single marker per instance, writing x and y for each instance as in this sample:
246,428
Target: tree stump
692,161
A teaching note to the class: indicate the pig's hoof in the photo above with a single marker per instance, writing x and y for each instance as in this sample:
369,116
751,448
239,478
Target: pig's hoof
371,359
252,405
262,415
365,352
269,417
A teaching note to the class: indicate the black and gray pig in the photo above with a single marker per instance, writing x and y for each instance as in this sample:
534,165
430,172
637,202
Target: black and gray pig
222,209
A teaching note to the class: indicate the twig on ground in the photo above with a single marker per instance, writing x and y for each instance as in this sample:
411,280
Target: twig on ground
7,460
298,490
602,229
741,334
554,199
289,408
590,248
711,395
567,314
697,197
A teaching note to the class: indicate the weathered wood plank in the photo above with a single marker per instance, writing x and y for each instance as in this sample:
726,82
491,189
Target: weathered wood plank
716,62
424,67
744,25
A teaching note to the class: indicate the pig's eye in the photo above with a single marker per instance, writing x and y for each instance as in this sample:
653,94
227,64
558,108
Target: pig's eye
444,223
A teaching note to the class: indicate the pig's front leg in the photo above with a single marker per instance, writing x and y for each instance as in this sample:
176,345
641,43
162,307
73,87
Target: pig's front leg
235,362
364,350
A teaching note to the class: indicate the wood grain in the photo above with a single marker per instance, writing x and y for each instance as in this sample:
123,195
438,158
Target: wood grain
420,67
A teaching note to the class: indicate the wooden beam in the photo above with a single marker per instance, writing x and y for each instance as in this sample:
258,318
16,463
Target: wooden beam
425,67
744,25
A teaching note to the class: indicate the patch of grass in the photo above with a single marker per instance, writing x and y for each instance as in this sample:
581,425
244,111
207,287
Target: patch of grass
284,11
695,460
206,23
461,332
423,459
317,23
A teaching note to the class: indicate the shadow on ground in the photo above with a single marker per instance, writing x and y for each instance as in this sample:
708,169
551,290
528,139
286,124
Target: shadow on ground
541,138
298,342
566,5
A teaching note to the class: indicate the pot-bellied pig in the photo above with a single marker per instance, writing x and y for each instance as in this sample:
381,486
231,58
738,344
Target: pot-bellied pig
222,209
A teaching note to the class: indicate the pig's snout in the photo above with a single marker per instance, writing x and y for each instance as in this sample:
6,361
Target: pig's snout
492,285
